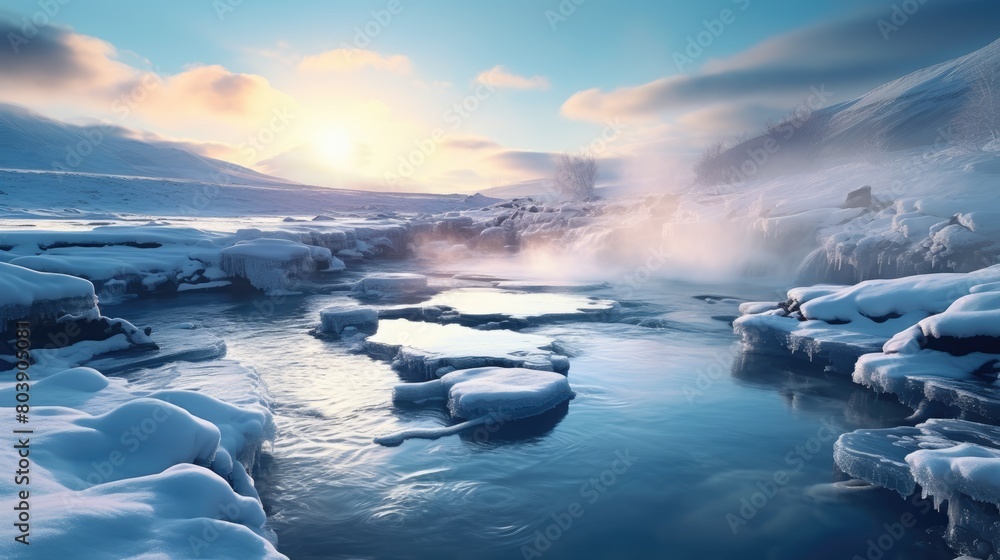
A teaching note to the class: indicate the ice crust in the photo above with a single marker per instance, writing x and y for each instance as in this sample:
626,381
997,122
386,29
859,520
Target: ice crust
124,260
272,265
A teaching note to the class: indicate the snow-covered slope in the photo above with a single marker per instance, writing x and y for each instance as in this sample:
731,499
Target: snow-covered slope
955,102
30,141
919,108
49,169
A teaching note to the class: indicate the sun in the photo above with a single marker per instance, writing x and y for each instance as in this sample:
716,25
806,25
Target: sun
334,145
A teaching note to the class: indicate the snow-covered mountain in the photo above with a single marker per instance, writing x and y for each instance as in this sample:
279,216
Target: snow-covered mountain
29,141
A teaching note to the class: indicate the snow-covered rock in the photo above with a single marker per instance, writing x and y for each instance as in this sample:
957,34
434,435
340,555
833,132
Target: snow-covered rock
108,460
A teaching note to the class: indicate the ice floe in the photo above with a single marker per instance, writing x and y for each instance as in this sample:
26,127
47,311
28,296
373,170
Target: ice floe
429,350
389,283
494,308
480,395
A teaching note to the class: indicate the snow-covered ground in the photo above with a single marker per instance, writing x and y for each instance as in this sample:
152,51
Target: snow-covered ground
110,470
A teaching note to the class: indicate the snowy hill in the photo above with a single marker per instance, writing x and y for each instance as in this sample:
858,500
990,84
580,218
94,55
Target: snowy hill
53,169
29,141
917,109
955,102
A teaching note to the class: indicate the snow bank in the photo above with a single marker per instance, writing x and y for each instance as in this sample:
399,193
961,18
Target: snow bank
26,294
124,260
935,384
837,324
242,432
124,473
945,365
183,511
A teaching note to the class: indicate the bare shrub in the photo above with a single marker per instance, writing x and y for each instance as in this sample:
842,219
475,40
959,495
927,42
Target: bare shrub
576,175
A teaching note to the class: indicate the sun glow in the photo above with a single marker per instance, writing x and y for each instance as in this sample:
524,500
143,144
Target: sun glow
334,145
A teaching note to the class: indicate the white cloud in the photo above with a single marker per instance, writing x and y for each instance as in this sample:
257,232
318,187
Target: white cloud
498,76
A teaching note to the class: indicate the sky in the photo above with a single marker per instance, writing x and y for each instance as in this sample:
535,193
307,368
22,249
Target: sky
452,96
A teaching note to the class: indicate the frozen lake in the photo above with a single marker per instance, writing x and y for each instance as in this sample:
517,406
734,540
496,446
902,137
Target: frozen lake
675,446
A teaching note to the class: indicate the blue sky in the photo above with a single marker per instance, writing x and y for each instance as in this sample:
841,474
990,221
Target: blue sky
561,78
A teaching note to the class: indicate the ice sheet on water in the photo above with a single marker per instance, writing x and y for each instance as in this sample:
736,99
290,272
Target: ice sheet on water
173,346
879,456
553,285
490,302
496,394
897,458
429,350
391,283
508,393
